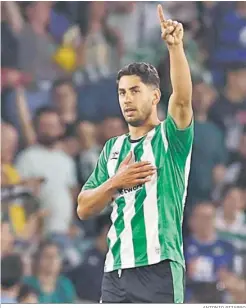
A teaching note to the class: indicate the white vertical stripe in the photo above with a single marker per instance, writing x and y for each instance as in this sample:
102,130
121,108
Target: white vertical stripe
150,206
187,171
164,136
112,236
112,163
127,249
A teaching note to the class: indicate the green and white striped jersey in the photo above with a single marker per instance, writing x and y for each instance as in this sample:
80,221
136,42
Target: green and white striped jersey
147,219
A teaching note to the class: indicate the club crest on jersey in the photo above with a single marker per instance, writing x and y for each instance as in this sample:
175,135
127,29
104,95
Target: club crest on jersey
115,155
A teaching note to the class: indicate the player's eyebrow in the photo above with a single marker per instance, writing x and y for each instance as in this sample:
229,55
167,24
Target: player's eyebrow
132,88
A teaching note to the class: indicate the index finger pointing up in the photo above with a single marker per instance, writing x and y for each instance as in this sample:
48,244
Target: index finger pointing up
160,13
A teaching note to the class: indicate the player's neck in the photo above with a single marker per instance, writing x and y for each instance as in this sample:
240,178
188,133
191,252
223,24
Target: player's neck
140,131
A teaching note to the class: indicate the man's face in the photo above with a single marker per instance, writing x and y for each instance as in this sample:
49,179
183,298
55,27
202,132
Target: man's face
233,202
87,133
65,97
50,261
203,97
49,128
237,80
40,11
137,100
202,219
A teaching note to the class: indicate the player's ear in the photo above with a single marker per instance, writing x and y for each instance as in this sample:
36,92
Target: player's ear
156,96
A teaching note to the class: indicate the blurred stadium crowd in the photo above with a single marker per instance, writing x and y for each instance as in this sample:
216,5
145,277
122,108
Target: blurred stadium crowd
59,106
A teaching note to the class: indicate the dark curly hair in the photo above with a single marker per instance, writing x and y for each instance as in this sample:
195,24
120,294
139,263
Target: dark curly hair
146,72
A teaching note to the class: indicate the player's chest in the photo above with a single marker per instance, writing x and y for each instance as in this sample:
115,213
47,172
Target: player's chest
147,149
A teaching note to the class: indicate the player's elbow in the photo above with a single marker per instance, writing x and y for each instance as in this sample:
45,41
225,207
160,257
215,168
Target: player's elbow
83,211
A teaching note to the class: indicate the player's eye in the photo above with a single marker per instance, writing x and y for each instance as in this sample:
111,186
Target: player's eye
121,93
135,91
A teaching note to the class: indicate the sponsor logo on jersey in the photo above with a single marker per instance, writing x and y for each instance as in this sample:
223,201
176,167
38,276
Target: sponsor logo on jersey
115,155
129,190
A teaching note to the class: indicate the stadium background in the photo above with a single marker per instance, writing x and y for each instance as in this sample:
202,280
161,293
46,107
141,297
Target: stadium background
65,55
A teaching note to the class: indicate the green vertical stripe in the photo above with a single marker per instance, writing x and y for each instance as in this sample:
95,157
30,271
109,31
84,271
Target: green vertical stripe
138,225
119,227
158,150
119,222
178,282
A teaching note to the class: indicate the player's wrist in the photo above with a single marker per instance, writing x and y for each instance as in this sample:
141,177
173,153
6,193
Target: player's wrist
114,184
174,47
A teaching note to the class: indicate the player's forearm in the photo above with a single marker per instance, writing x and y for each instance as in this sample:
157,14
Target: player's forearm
180,75
93,201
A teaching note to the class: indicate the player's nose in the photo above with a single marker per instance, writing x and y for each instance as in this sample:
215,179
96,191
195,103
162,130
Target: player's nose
128,98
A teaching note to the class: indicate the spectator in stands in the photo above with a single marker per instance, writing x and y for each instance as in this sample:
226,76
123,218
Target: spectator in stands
111,127
87,277
230,31
64,97
209,149
9,43
229,111
136,25
98,52
86,161
58,170
11,276
231,219
14,205
90,150
35,45
46,279
236,169
236,286
205,253
27,295
65,101
234,172
9,145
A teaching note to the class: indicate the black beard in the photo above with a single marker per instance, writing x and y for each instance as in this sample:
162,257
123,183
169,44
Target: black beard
136,123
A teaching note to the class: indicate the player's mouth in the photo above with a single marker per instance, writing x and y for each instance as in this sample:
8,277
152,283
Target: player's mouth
129,111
